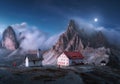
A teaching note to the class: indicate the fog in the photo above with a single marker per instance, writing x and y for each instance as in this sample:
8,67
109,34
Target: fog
33,38
111,34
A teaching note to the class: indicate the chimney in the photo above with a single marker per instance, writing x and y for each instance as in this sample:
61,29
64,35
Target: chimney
39,55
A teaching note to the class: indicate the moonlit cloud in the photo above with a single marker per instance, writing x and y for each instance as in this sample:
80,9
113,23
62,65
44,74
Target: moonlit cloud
34,38
111,34
52,40
20,27
2,28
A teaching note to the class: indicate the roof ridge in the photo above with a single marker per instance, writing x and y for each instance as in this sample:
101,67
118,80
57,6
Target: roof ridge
73,55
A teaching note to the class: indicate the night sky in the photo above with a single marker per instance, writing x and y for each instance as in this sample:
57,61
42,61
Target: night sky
53,15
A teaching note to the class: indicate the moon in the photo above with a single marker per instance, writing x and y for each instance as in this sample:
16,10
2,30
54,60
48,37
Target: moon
95,19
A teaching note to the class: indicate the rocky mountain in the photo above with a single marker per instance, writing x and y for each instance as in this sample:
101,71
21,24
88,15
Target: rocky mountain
77,39
98,40
114,60
9,40
73,39
68,41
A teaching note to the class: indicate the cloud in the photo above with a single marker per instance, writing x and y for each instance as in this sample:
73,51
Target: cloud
20,27
2,28
52,40
111,34
33,37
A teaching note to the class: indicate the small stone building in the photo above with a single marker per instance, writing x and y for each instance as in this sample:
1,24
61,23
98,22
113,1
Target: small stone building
33,58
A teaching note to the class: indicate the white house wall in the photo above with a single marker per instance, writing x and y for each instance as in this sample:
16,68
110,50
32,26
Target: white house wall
26,62
63,60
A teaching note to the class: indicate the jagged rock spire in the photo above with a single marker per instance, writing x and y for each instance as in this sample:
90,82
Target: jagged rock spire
72,27
70,40
9,40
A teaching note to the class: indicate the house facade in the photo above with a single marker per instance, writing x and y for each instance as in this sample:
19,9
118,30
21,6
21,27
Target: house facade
33,58
70,58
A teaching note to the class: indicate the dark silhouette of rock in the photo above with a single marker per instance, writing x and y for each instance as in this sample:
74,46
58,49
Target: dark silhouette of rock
9,40
98,39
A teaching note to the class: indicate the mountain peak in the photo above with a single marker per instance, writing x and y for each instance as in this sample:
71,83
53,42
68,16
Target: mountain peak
70,39
72,22
72,26
9,29
9,40
71,29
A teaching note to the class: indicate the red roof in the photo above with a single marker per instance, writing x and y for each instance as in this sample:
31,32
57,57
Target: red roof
73,55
